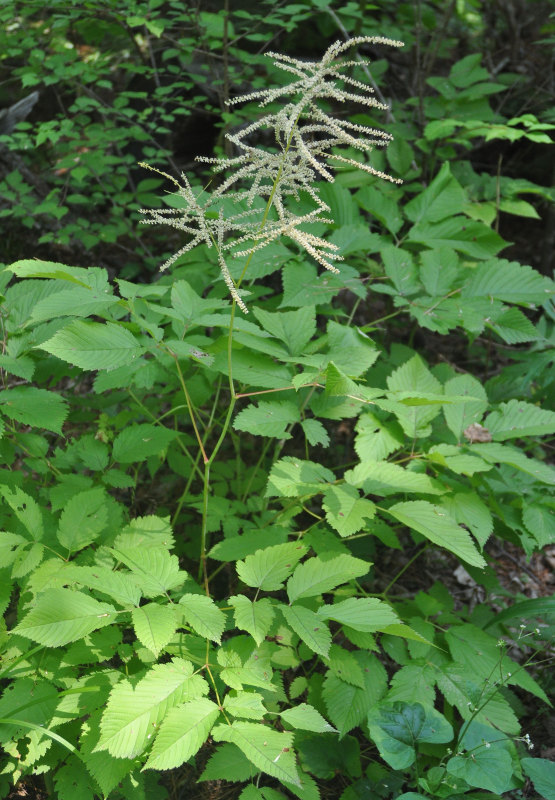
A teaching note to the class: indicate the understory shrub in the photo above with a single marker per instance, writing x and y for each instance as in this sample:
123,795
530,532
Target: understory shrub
188,546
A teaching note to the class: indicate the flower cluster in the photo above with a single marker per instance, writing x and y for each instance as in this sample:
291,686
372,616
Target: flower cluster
306,139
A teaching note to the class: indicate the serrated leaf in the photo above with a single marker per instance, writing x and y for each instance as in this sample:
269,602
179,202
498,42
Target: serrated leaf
459,416
398,728
119,586
540,521
310,627
347,705
293,477
155,570
36,407
444,197
315,432
344,665
83,518
317,576
228,763
26,509
154,625
132,714
61,616
234,548
245,704
514,327
458,233
509,281
203,615
345,510
435,524
267,569
494,453
541,771
383,478
306,718
366,614
93,345
468,509
182,733
375,439
78,301
254,617
268,749
517,418
31,268
268,419
138,442
485,768
294,328
22,366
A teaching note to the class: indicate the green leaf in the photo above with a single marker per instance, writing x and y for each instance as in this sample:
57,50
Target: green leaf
203,615
268,419
361,613
343,664
542,773
317,575
293,477
36,407
236,547
153,568
30,268
61,616
398,728
468,509
513,326
119,586
444,197
306,718
26,509
75,302
474,239
435,524
383,478
267,569
400,268
154,625
22,366
460,415
509,281
83,518
495,453
228,763
306,624
182,733
345,510
538,607
347,705
138,442
516,418
315,432
294,328
375,439
485,768
92,345
132,714
254,617
245,704
269,750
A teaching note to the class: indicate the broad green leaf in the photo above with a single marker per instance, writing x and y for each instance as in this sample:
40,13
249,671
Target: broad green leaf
254,617
154,569
361,613
293,477
474,239
383,478
495,453
401,270
30,268
542,773
75,302
118,586
294,328
516,419
82,519
254,672
23,366
435,524
268,749
487,768
444,197
315,432
464,690
268,418
306,718
228,763
317,575
61,616
413,683
398,728
132,714
344,665
375,439
254,369
310,627
351,350
236,547
150,531
182,733
451,457
26,509
267,569
509,281
93,345
154,625
468,509
513,327
460,415
203,615
538,607
138,442
439,270
245,704
38,408
345,510
347,705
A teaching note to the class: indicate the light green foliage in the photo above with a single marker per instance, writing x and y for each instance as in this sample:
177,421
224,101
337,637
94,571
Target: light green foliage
220,533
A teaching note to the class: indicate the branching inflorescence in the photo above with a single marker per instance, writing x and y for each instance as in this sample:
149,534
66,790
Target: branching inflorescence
306,138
